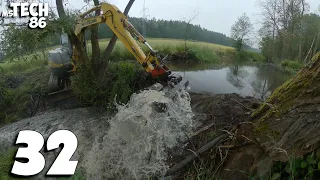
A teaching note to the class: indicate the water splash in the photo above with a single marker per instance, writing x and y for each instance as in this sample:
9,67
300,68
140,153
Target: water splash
142,130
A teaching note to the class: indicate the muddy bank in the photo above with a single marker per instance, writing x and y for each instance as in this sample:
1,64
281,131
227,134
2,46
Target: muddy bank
223,109
216,114
91,128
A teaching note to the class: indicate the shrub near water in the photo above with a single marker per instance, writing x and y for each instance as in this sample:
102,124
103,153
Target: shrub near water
291,66
121,80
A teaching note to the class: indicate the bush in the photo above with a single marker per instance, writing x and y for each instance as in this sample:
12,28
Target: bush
120,82
6,99
255,57
305,167
23,64
291,66
194,53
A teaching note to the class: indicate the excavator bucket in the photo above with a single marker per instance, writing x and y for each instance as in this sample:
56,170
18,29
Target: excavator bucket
183,84
175,84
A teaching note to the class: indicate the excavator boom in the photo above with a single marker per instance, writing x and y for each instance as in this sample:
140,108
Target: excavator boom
126,33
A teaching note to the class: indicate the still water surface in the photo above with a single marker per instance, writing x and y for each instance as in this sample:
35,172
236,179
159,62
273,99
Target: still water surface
257,81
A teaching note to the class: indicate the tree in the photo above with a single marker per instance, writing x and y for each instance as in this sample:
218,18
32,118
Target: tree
284,27
112,43
241,30
18,37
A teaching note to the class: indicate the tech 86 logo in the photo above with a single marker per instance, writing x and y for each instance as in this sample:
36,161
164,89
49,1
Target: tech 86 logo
36,11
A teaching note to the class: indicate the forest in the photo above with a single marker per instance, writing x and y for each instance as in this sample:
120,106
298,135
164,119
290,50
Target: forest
173,29
289,31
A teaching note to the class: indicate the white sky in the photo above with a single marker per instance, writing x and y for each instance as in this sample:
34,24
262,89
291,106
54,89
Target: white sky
215,15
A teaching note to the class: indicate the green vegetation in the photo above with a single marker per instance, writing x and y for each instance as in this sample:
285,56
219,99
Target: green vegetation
6,162
294,37
121,80
21,92
28,75
197,52
23,64
305,167
291,66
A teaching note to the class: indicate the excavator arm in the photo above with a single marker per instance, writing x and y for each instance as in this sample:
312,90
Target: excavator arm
126,33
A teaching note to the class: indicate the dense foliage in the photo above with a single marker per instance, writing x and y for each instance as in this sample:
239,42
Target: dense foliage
289,31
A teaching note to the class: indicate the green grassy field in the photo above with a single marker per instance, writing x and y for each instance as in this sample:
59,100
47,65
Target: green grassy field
26,63
198,52
173,43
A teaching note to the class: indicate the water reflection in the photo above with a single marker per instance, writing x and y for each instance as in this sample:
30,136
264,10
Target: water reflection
257,81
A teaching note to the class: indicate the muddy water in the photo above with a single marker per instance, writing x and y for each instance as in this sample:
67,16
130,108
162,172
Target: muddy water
130,145
256,81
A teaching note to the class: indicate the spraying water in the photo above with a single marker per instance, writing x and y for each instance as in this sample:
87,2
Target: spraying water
141,132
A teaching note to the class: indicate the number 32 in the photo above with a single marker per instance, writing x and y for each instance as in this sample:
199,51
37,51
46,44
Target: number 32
61,166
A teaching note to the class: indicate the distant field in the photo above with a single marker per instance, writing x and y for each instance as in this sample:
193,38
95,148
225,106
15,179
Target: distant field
201,52
26,63
160,42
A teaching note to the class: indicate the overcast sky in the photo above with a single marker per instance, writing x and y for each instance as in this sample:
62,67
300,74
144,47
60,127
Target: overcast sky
215,15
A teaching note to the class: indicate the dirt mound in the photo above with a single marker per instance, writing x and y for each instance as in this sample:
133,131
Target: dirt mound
216,114
223,109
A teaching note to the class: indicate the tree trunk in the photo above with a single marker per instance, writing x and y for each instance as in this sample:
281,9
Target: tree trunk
72,37
95,59
114,38
310,49
286,125
108,50
60,9
292,111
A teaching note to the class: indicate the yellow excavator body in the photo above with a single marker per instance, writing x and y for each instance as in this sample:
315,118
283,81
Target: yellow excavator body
62,67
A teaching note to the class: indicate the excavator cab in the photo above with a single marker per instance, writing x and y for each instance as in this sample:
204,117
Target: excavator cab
60,64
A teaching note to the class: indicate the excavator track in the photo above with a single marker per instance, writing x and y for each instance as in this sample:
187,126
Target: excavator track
60,95
59,89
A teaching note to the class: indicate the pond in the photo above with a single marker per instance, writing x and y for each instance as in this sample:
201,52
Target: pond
246,80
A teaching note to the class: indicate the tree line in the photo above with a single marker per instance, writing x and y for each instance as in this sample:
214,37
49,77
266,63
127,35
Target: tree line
158,28
289,30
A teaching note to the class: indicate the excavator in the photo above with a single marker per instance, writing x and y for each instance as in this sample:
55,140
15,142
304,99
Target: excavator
63,61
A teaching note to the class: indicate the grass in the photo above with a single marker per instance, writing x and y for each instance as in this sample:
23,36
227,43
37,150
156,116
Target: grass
26,63
199,52
6,162
18,93
291,66
305,167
